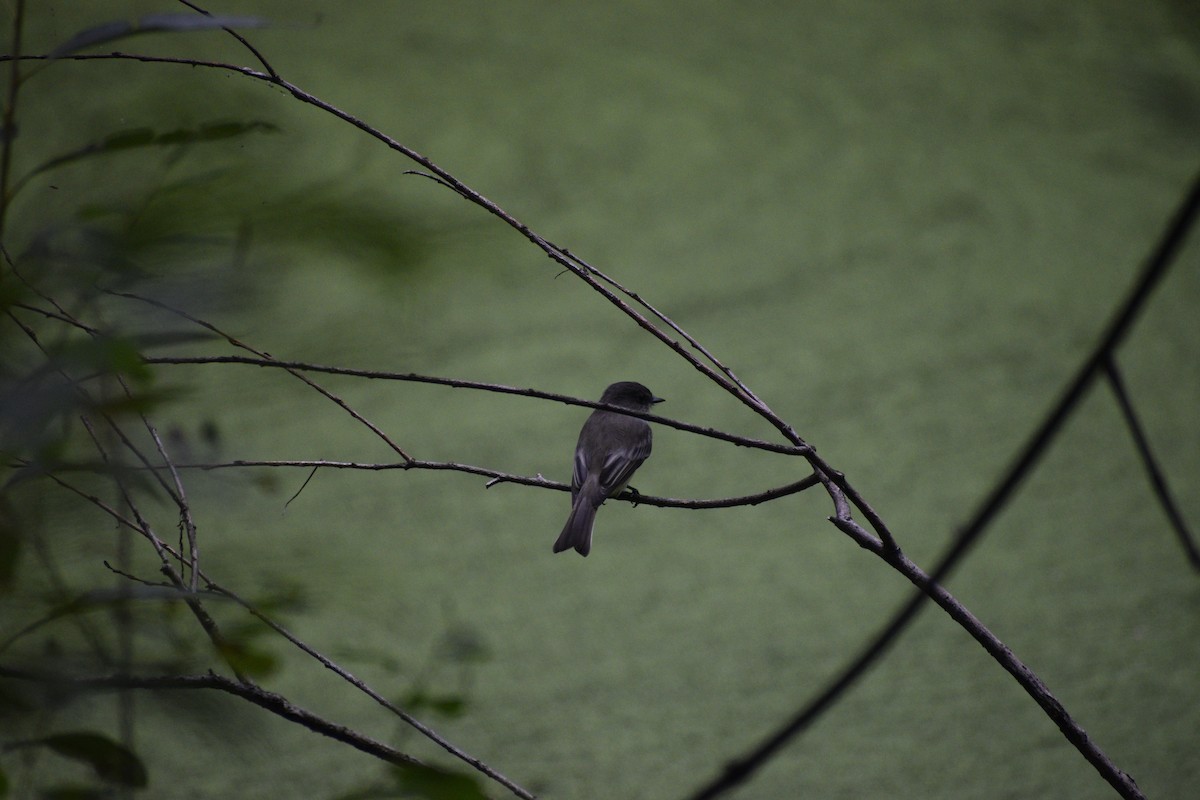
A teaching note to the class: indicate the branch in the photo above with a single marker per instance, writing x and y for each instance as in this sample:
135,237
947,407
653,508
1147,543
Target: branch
1158,481
268,359
497,477
345,675
210,627
1076,735
839,489
445,178
8,122
165,554
241,39
1155,268
300,366
275,703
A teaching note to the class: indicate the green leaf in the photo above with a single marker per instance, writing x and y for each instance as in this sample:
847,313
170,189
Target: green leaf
107,356
3,783
99,599
465,645
121,355
247,659
151,23
15,700
10,544
67,792
227,130
448,705
145,137
435,783
123,140
139,403
112,762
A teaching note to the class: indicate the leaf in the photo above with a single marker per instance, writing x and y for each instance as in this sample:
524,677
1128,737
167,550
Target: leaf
448,705
99,599
123,140
139,403
151,23
247,659
10,545
121,355
213,131
435,783
112,762
146,137
104,32
15,701
465,645
68,792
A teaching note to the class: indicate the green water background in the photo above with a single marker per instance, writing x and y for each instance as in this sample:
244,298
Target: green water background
903,224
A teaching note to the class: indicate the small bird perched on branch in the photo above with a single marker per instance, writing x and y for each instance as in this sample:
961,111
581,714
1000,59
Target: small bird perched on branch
611,447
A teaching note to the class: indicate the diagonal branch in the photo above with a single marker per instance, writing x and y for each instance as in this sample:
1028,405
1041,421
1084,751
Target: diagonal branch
268,358
345,675
1155,268
839,489
1158,481
252,690
275,703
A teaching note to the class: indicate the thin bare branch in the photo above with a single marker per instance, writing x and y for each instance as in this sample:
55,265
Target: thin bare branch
211,628
691,340
1153,271
712,433
447,179
165,553
345,675
8,121
1158,480
180,496
275,703
839,489
177,494
241,39
269,359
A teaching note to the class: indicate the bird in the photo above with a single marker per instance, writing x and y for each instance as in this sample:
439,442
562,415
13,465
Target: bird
610,449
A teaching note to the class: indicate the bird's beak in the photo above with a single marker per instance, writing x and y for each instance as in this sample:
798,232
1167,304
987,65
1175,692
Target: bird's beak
656,400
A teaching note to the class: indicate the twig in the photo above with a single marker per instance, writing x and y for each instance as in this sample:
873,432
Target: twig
496,476
558,255
712,433
1152,273
275,703
691,340
345,675
8,122
165,552
177,495
267,358
180,497
1076,735
890,552
241,39
1158,480
252,689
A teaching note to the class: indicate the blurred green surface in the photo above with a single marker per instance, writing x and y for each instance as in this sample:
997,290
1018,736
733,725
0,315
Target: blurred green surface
902,225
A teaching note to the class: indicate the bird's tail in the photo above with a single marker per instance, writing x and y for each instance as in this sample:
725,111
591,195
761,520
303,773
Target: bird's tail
577,532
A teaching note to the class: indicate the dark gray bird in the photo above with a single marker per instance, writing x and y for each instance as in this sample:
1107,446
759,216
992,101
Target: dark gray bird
611,447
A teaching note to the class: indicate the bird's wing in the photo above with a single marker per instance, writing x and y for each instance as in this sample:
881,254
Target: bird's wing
579,473
620,465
